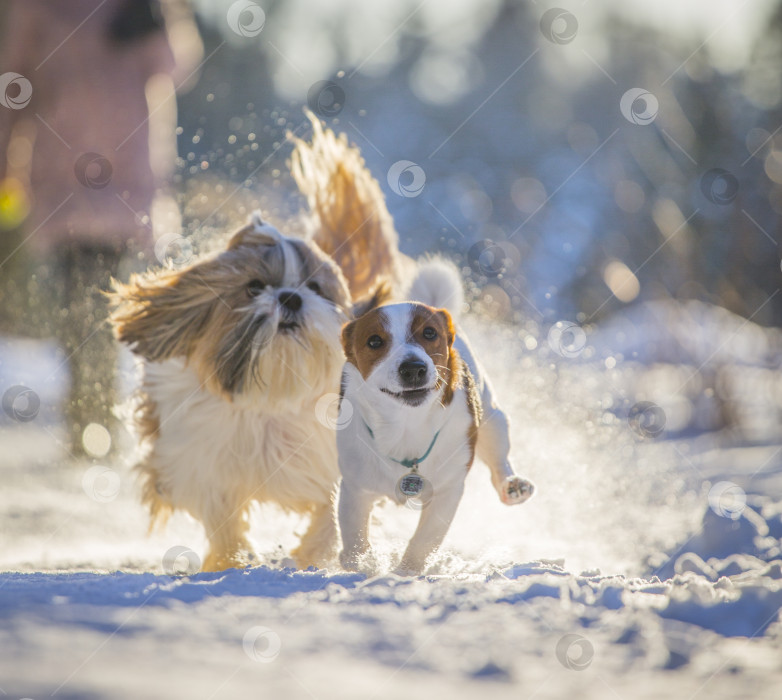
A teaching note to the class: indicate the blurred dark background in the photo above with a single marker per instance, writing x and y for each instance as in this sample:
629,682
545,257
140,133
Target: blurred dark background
523,143
576,159
510,153
521,139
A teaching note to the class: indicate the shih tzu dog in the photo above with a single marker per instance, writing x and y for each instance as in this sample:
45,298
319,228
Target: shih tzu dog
238,348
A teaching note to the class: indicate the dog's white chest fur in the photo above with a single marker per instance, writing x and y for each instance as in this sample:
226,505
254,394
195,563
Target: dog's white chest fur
383,433
259,454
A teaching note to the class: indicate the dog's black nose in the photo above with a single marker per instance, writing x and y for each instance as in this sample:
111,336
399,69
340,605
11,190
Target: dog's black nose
290,300
412,372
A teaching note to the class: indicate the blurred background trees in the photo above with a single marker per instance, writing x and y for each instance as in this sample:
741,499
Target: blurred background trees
522,143
556,204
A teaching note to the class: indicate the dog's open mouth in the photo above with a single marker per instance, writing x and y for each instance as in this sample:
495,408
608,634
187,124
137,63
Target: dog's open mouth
409,396
287,326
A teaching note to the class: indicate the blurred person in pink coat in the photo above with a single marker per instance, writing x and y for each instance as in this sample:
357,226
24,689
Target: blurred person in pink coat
74,139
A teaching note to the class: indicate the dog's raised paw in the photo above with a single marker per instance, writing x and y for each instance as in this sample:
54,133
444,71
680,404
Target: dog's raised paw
516,490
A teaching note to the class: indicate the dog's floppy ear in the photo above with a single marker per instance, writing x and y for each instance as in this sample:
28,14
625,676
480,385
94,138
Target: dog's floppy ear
379,295
447,320
348,334
454,372
161,314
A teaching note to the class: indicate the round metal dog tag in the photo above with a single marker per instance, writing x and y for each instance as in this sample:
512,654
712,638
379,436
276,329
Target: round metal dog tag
410,485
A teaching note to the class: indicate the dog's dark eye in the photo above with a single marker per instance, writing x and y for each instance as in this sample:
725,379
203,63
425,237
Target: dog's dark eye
375,342
315,287
255,287
429,333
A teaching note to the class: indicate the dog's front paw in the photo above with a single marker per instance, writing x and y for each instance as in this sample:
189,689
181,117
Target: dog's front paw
362,562
215,562
348,561
515,490
407,569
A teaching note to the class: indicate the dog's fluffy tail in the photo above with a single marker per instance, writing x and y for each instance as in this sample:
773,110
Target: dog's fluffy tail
350,219
437,283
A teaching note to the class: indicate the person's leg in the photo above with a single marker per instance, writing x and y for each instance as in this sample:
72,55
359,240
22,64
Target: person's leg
89,346
16,269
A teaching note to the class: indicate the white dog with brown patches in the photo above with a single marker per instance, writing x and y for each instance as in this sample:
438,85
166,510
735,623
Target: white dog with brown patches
418,409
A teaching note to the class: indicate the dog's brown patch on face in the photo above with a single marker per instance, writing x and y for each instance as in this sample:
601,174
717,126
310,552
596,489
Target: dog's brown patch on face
361,344
438,345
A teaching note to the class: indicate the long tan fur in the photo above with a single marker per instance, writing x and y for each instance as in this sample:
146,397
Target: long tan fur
212,437
350,219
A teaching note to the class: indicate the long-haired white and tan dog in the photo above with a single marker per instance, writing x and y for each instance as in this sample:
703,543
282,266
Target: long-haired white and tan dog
238,348
417,408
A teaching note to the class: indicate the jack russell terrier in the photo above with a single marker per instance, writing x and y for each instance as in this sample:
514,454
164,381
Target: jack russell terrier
416,410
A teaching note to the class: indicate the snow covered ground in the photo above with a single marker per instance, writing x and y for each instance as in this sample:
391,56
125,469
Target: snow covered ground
648,563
